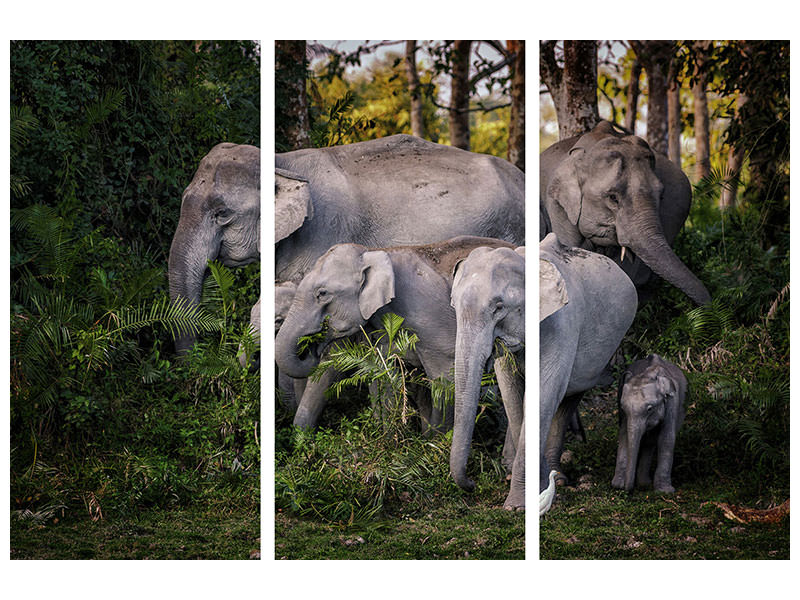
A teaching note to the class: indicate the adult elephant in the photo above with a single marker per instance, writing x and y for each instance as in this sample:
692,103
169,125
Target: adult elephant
352,286
586,304
220,219
394,191
489,300
610,193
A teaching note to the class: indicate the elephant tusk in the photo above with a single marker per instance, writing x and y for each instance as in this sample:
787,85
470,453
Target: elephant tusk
622,258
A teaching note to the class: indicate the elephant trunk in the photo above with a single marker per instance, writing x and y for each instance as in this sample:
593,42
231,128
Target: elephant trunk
635,431
189,254
286,348
652,247
472,350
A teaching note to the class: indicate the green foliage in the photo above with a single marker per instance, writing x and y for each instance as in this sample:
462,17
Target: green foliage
375,462
104,419
109,132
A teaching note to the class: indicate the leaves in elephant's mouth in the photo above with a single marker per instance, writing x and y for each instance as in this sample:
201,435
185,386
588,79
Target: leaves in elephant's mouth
305,342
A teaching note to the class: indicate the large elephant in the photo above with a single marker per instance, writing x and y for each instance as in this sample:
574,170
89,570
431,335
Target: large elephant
352,286
610,193
586,304
220,216
651,410
394,191
489,299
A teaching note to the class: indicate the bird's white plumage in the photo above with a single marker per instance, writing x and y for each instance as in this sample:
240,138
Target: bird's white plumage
546,497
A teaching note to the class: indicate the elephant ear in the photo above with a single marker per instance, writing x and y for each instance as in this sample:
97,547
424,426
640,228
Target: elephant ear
563,198
552,290
293,203
377,282
520,250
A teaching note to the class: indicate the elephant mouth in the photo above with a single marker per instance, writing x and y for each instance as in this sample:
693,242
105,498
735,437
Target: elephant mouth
313,351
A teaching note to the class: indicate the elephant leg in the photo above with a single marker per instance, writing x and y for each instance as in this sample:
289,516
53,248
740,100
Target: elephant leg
516,495
648,447
666,453
313,400
618,481
286,394
555,438
512,388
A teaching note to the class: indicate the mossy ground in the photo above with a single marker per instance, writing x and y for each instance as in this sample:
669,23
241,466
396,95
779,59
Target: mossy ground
153,534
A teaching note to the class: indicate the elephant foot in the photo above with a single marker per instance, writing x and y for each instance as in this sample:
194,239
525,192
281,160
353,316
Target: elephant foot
561,479
664,488
618,482
514,504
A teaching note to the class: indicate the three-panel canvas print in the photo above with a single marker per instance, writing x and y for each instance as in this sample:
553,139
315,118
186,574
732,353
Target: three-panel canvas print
154,414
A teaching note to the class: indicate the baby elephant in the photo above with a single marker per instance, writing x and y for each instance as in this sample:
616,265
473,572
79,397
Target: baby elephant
651,411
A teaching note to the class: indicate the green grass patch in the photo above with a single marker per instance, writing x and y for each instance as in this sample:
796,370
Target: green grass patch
192,533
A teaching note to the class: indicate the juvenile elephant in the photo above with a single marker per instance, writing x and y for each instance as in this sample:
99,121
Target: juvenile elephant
352,286
651,410
489,300
610,193
220,216
394,191
586,304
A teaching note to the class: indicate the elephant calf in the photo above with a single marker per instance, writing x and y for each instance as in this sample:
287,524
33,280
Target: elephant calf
651,397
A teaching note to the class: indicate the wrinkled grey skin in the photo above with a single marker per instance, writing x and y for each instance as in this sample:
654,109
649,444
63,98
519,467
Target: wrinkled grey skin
219,220
353,286
651,411
489,299
604,191
284,295
586,304
394,191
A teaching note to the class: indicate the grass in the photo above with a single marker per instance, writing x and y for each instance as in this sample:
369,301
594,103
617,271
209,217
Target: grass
447,530
153,534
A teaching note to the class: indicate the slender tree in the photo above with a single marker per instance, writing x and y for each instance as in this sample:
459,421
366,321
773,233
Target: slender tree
291,104
655,56
516,126
674,126
573,88
701,124
459,94
632,96
414,91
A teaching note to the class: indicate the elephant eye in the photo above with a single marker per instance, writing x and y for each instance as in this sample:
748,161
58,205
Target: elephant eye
322,294
613,197
498,306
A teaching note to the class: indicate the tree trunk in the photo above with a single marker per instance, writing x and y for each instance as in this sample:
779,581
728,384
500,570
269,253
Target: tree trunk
701,131
516,126
674,115
632,96
655,56
573,88
291,103
459,95
733,167
417,122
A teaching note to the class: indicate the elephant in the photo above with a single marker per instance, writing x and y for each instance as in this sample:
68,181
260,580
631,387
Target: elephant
220,219
488,296
352,286
394,191
586,305
610,193
651,411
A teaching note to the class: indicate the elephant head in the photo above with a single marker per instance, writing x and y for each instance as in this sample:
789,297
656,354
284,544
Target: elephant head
220,219
345,287
489,299
608,191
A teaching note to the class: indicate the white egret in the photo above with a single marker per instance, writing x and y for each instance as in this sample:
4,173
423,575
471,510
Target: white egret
546,497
